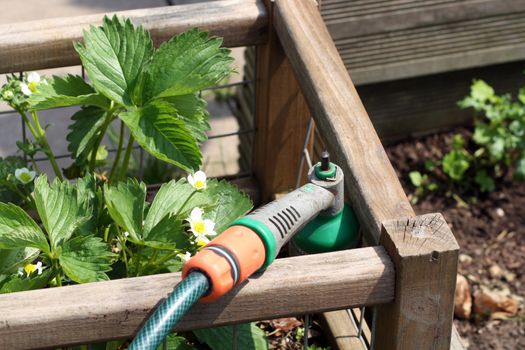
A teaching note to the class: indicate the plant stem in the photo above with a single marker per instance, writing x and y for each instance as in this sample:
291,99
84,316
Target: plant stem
35,166
125,258
42,140
40,136
119,151
127,155
137,262
108,119
164,259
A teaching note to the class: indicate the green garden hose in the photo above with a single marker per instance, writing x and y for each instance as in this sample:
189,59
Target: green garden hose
161,323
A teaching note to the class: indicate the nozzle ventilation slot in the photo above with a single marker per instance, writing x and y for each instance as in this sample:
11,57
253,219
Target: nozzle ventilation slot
285,219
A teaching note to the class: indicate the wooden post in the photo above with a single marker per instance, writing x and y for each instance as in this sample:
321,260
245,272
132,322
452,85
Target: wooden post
425,255
281,118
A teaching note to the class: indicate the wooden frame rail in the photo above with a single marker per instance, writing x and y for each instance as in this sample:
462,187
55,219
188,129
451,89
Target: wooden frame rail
94,312
48,43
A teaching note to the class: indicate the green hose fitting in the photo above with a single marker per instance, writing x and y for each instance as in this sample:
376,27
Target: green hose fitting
325,174
161,323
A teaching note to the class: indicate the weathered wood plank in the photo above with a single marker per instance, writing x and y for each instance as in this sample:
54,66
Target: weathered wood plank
115,309
425,254
396,39
347,20
48,43
343,333
374,190
281,119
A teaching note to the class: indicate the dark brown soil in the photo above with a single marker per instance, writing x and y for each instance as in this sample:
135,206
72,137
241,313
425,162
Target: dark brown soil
490,231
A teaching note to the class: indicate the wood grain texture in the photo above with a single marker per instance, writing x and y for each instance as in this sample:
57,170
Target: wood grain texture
115,309
281,118
343,332
48,43
425,254
374,190
394,39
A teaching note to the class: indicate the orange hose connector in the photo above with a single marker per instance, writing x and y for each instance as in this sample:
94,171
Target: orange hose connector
245,246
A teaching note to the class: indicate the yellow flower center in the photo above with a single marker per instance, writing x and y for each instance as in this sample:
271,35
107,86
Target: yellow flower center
25,177
199,227
32,86
199,184
29,268
200,243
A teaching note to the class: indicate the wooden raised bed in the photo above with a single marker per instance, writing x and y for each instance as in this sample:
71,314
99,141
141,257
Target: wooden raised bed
409,274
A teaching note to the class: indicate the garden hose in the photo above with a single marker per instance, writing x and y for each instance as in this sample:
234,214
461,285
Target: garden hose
161,323
252,243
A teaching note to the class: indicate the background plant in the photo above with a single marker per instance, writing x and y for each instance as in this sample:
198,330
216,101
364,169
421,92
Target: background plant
495,150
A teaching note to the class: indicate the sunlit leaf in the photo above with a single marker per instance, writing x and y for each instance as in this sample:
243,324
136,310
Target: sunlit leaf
85,259
114,56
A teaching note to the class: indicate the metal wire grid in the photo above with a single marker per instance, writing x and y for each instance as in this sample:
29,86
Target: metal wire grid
141,154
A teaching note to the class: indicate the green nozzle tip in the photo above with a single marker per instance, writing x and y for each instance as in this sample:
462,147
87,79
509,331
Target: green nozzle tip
325,174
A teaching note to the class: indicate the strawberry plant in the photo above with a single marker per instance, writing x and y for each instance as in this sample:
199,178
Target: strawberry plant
101,226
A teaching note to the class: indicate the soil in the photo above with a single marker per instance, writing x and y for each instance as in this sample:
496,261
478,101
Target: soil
490,229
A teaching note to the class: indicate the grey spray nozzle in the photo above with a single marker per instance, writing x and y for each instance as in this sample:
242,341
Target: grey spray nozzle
323,195
330,177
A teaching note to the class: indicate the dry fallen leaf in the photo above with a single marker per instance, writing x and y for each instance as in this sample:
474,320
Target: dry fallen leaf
488,303
286,324
462,300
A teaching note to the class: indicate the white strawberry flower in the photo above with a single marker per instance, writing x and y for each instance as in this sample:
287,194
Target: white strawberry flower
24,175
201,241
33,79
30,268
185,257
25,89
198,180
200,227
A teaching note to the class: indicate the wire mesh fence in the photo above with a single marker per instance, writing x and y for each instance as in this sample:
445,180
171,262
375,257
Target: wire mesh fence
219,151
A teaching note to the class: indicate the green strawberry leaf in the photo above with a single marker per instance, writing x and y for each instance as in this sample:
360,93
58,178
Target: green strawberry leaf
192,110
12,259
89,195
176,342
159,130
177,198
231,204
70,90
114,56
126,202
183,65
248,337
60,210
169,233
16,283
18,230
84,131
85,259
